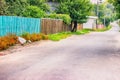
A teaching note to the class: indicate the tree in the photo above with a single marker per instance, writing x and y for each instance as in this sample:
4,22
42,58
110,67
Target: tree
105,13
116,4
16,7
3,7
33,11
40,3
77,9
57,0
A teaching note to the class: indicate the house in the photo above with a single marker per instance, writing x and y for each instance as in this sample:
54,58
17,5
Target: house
91,22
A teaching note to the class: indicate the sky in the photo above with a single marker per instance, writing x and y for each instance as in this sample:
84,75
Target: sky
95,1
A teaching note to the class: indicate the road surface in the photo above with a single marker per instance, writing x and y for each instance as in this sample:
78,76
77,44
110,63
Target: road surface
94,56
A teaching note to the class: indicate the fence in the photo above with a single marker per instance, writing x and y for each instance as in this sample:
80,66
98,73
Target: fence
50,26
18,25
80,27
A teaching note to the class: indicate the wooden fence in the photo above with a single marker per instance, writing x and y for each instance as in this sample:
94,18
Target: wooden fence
80,27
50,26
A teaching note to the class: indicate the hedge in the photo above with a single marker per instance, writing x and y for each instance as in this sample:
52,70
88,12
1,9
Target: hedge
66,18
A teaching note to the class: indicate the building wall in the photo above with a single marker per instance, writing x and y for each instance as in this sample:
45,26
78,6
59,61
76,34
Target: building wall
90,24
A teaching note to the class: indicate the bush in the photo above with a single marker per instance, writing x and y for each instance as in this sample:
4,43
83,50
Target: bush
26,36
34,37
7,41
44,37
11,39
66,18
3,43
33,11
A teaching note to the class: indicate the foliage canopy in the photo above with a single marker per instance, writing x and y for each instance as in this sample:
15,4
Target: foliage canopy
77,9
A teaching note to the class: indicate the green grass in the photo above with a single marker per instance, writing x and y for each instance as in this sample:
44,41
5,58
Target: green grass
63,35
84,31
59,36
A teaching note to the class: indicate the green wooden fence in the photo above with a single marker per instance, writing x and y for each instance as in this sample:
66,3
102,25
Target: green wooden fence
19,25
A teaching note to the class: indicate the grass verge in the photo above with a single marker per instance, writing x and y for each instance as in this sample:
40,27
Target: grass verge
59,36
63,35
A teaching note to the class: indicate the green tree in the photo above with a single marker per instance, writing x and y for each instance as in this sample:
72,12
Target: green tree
33,11
40,3
77,9
57,0
3,7
116,4
16,7
105,13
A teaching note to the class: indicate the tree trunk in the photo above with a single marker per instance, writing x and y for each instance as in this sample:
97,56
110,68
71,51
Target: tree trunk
71,26
75,27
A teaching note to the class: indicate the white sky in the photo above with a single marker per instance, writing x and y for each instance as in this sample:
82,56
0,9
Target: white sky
95,1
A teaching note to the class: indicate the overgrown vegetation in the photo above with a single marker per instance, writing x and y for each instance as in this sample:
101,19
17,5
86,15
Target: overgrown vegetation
11,39
34,37
7,41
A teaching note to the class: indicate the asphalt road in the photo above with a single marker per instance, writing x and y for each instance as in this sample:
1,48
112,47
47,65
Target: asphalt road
94,56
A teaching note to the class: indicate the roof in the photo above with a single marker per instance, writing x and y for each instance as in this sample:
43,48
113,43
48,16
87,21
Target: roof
93,17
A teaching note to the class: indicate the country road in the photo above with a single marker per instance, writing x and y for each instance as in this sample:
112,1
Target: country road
94,56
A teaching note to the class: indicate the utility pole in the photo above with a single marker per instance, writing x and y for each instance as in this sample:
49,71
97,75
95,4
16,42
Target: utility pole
97,9
104,21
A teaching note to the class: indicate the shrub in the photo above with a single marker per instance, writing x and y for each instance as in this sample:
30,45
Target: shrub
33,11
8,40
11,39
66,18
26,36
3,43
34,36
44,37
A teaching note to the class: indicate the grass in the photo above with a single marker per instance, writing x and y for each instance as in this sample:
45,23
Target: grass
84,31
63,35
59,36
